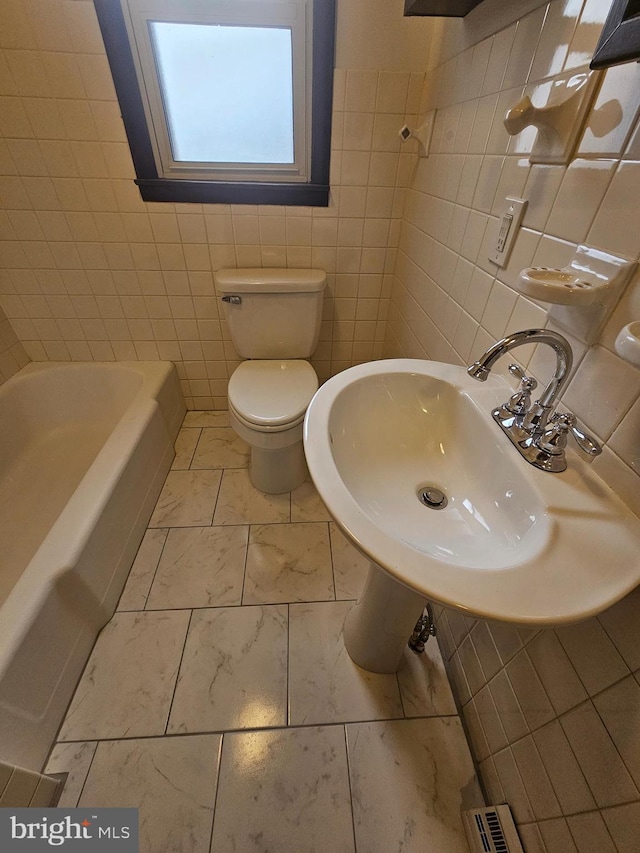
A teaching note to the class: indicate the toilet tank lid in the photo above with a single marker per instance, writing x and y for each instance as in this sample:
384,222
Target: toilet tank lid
270,280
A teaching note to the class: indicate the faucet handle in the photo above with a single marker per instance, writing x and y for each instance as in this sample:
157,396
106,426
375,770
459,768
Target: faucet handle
519,402
585,442
517,371
554,438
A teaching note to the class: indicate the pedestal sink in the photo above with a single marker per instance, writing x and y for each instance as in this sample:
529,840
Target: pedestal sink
409,463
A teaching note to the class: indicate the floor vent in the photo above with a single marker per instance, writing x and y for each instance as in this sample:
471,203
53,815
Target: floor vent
491,830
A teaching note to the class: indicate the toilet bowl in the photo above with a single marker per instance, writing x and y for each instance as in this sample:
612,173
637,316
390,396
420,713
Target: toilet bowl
273,317
267,404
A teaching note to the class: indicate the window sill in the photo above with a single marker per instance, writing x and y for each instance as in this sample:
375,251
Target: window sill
210,192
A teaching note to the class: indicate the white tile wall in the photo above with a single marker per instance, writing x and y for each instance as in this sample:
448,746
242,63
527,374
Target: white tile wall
89,271
579,761
449,301
553,716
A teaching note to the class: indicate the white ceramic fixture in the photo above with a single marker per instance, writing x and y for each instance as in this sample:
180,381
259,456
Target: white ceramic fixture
560,122
274,318
628,343
512,543
584,293
421,134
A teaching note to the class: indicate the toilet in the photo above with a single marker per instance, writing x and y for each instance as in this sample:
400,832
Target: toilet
274,320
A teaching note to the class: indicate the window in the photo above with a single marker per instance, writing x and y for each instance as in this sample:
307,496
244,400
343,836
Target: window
225,101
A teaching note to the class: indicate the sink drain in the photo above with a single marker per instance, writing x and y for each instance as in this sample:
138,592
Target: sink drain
432,496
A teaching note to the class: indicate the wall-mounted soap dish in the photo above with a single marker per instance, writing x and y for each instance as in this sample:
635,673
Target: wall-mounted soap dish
627,343
559,287
582,294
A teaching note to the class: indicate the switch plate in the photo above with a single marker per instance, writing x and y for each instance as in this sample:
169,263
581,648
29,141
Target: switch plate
508,226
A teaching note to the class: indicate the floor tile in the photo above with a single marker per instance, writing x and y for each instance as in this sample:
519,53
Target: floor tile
185,446
285,790
307,505
172,781
241,503
164,682
206,419
200,567
221,448
288,562
409,780
188,498
424,685
75,760
350,568
127,685
136,590
325,686
234,671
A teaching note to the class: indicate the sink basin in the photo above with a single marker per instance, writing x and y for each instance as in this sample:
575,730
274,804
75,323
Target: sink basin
512,543
395,434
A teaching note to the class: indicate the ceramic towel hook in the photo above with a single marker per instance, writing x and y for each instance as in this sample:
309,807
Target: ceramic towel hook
522,115
560,122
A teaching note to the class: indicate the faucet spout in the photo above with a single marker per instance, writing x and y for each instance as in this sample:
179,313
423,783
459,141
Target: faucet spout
538,437
537,418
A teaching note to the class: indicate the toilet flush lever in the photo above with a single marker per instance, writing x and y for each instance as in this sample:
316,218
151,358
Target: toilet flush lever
234,300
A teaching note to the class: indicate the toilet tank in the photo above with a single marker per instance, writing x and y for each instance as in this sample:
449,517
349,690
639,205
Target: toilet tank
272,313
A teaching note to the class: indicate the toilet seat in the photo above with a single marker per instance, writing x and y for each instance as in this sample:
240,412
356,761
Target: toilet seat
272,395
255,428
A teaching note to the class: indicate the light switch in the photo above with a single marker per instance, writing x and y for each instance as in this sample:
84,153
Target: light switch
503,233
508,226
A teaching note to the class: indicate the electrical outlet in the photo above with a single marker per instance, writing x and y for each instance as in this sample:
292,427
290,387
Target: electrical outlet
508,227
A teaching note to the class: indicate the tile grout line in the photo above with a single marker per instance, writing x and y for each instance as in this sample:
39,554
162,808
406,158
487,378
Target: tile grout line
288,710
190,460
353,817
84,783
215,504
588,692
246,561
215,799
195,447
589,701
333,571
404,712
313,725
175,686
253,604
164,545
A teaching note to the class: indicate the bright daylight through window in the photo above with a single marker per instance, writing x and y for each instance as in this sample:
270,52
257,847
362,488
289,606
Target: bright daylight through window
223,67
225,100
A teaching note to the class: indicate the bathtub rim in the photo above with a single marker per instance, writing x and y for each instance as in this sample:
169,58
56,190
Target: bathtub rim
40,576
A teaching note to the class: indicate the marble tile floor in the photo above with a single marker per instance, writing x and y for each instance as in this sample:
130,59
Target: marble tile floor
221,702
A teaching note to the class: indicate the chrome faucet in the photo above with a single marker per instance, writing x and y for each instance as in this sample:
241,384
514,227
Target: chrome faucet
537,417
537,434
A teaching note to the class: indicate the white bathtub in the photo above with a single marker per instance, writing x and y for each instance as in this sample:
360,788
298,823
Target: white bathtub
84,450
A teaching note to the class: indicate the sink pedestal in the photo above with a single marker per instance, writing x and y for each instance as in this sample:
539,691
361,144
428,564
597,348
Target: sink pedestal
377,628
